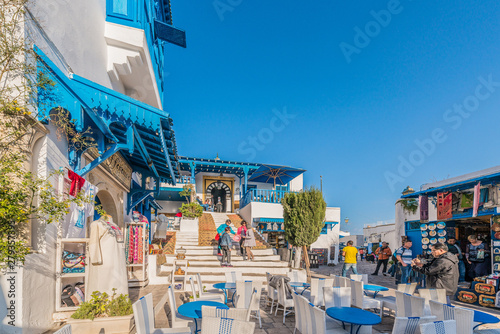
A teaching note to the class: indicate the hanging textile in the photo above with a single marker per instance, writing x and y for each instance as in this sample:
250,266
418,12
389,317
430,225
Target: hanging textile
424,207
477,193
77,183
484,197
444,205
80,214
466,200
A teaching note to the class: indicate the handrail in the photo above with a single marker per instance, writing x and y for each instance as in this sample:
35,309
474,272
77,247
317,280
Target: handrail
263,196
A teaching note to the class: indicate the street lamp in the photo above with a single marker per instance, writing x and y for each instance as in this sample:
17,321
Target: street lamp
346,220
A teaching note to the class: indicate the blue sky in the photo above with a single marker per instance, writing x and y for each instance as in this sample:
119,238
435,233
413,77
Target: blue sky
373,106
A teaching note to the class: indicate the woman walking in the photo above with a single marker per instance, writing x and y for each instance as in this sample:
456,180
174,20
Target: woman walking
242,232
478,257
249,243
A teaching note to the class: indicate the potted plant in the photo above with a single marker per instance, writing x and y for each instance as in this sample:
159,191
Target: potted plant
190,214
103,313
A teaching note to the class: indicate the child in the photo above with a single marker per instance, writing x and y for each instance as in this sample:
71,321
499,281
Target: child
226,243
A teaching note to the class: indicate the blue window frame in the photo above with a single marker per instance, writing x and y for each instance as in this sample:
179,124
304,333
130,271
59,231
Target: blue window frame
121,10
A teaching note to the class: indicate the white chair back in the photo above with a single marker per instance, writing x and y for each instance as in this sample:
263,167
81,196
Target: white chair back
64,330
226,326
336,281
463,317
233,276
408,305
144,314
336,297
316,319
438,295
281,291
357,294
224,312
410,325
439,327
360,277
193,290
300,312
297,276
244,290
408,288
317,285
176,321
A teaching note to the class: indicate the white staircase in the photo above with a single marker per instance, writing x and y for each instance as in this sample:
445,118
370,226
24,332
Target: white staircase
204,259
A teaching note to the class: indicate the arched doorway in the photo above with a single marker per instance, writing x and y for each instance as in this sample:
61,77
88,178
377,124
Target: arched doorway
104,198
219,191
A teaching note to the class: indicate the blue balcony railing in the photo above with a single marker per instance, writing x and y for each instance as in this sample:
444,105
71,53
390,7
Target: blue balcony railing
263,196
185,179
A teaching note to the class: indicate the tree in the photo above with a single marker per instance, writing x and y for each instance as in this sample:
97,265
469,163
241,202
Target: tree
188,192
304,217
24,195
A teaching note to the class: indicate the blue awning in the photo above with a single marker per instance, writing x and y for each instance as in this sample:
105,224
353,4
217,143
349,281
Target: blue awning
118,123
217,166
275,174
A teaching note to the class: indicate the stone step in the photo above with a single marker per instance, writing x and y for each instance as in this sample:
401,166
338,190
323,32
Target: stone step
210,250
213,269
233,258
239,263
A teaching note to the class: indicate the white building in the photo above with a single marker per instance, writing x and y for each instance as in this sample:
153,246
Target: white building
378,232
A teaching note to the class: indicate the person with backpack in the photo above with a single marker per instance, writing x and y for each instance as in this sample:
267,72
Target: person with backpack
404,257
478,257
226,242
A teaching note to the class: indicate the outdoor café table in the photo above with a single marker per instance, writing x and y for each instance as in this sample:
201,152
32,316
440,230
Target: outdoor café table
353,316
374,288
296,285
193,310
484,318
226,286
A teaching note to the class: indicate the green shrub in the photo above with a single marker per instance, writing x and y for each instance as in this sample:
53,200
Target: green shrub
191,210
102,305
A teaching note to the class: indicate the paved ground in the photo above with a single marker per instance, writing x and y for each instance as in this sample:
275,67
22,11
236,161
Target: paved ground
272,324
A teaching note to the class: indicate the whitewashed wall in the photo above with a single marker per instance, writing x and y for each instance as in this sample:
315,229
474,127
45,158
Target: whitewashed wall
170,206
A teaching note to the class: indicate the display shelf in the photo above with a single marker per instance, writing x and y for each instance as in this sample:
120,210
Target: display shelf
72,277
137,273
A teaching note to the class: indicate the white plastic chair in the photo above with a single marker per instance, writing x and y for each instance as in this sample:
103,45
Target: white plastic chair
361,301
227,326
183,264
200,296
144,318
233,276
336,297
300,321
231,313
283,301
178,321
315,320
463,317
390,301
344,282
248,296
65,330
336,281
439,327
272,294
408,305
438,295
360,278
317,285
297,276
203,294
410,325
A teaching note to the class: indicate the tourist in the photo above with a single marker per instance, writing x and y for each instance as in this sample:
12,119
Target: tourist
477,255
361,253
384,253
404,256
242,232
218,206
441,272
226,243
220,232
350,253
453,248
249,243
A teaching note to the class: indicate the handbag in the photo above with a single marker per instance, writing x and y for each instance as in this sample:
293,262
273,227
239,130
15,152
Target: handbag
73,260
237,238
217,237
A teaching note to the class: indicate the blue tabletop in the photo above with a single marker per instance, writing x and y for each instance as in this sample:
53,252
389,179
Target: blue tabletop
353,315
193,309
485,318
225,286
299,284
370,287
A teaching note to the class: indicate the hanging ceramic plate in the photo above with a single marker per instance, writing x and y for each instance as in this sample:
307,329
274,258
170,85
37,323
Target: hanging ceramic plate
429,251
432,233
425,241
425,246
431,226
442,240
496,251
425,234
441,225
423,227
441,233
433,241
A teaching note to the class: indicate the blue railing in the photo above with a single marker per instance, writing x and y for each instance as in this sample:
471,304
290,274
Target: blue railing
262,196
185,179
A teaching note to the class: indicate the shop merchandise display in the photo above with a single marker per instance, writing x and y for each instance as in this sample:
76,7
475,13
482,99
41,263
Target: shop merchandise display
136,250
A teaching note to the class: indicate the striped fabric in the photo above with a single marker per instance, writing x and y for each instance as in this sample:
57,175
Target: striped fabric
412,325
226,326
439,327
